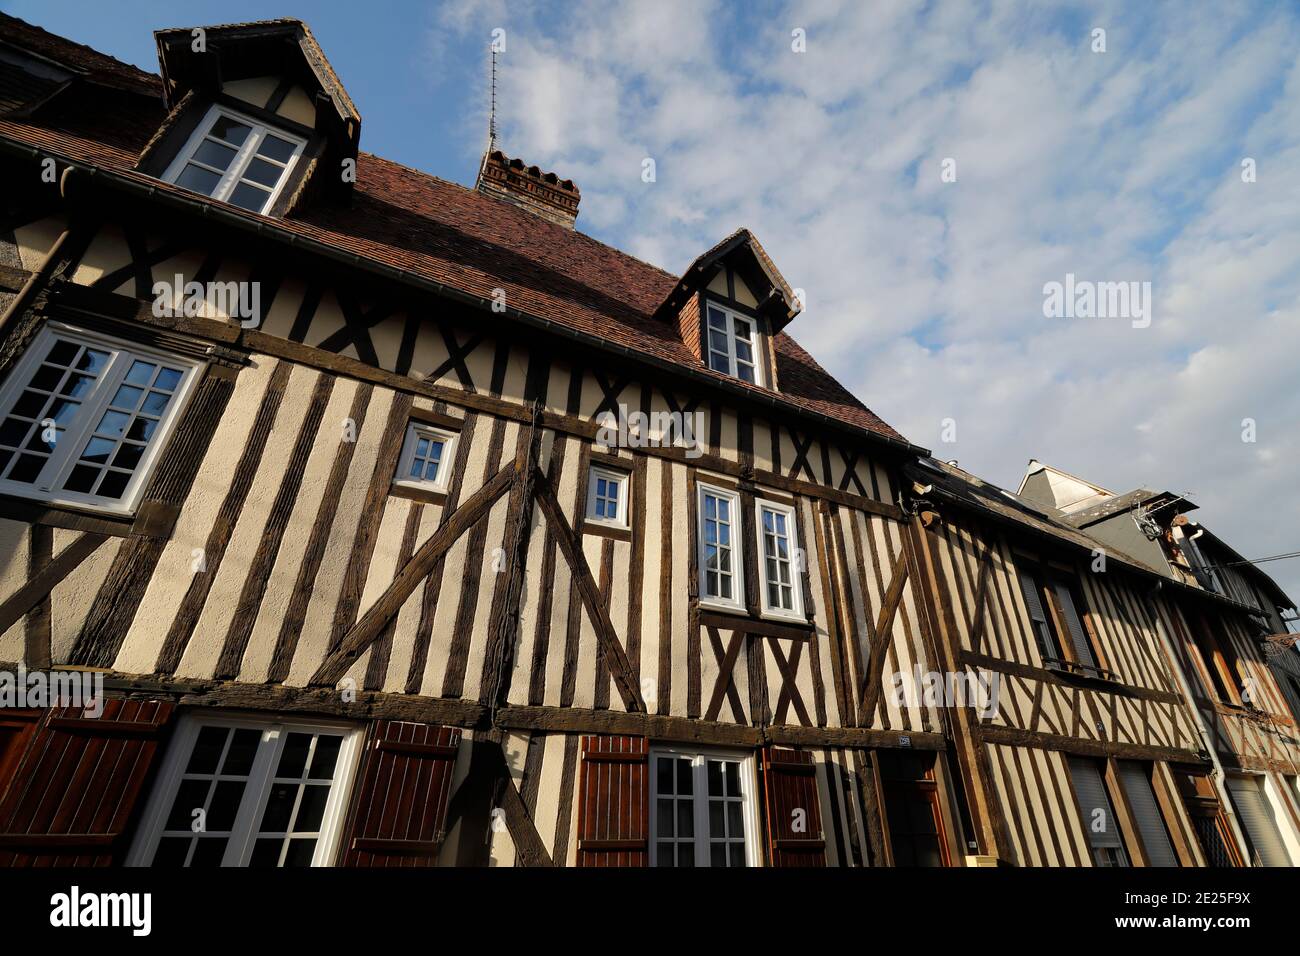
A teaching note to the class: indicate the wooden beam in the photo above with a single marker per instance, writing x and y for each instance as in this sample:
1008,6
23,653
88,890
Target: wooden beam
615,657
45,580
361,634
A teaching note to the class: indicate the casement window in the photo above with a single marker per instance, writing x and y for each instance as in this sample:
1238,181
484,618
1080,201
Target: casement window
1098,813
1147,818
1056,614
703,809
84,416
732,344
1256,816
237,160
782,593
242,792
607,497
720,557
1220,660
913,814
426,459
1209,822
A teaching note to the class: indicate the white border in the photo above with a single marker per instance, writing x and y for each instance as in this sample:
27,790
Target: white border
737,548
796,573
700,798
243,155
416,430
104,386
238,851
609,474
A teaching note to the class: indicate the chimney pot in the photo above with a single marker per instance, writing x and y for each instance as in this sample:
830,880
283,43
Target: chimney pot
542,194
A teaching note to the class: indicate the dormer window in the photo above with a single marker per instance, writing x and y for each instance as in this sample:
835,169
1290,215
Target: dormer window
236,160
733,344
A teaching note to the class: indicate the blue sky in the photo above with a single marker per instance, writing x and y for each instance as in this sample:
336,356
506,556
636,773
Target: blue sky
924,296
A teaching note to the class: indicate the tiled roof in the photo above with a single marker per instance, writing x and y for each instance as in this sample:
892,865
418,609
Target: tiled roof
440,231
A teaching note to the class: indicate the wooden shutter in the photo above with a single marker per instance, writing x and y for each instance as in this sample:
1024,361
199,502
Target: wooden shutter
1078,636
1258,821
1146,814
17,728
1213,831
76,784
399,809
1037,616
614,802
1090,789
790,786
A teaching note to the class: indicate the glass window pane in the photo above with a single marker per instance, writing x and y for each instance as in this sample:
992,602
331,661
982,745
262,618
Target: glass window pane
113,484
207,750
279,808
211,153
231,130
685,818
325,757
664,775
276,148
685,781
300,852
208,852
243,747
715,778
718,854
311,808
168,378
293,759
191,796
266,852
224,805
200,180
171,851
664,821
260,171
248,196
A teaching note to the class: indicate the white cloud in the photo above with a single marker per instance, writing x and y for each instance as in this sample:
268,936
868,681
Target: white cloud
925,297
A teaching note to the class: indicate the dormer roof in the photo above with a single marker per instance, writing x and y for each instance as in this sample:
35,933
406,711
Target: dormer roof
235,51
743,252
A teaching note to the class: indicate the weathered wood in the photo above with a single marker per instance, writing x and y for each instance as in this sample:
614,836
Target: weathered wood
615,657
286,643
223,528
277,522
42,582
133,566
361,634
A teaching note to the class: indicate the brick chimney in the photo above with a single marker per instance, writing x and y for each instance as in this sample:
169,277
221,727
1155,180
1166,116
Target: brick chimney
542,194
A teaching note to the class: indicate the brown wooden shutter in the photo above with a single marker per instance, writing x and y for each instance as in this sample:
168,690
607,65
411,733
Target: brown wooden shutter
399,809
614,802
76,784
17,728
790,784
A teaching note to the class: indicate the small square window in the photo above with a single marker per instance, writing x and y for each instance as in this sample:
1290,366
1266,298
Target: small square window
607,491
426,457
237,160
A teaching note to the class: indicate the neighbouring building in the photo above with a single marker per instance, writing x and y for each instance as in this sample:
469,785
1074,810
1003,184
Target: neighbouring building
403,524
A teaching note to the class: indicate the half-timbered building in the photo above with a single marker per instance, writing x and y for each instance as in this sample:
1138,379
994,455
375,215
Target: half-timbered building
1222,621
406,523
399,523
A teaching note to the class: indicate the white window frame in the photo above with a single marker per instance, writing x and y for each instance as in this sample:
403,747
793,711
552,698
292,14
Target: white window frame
93,406
243,156
621,479
414,432
795,613
244,830
737,601
732,317
700,798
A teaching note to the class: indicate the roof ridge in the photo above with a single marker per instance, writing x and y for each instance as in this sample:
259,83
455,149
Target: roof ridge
571,232
142,73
